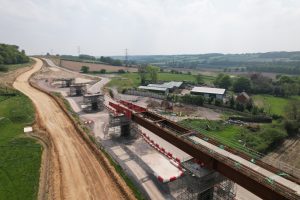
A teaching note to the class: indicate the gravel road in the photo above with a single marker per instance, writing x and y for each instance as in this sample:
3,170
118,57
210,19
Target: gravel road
78,174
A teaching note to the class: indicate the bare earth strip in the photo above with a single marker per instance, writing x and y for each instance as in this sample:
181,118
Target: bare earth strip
76,66
77,174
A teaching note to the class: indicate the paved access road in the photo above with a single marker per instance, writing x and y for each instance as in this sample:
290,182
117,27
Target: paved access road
77,173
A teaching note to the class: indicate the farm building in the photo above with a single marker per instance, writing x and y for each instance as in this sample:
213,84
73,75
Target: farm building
243,98
162,88
154,89
217,93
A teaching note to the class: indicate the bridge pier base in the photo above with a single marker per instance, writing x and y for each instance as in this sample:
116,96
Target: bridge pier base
125,130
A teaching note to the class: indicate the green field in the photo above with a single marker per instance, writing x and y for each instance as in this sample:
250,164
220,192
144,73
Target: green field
129,80
20,156
227,134
273,105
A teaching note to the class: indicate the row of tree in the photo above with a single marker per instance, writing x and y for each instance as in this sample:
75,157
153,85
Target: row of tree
102,59
107,60
283,86
10,54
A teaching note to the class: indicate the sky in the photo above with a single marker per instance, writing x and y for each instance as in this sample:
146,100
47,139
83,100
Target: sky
150,27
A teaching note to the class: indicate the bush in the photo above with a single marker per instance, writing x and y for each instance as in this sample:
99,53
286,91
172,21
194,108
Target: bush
255,110
240,107
257,119
85,69
249,106
292,127
102,71
276,117
121,71
124,90
3,68
232,102
192,99
218,102
210,100
111,93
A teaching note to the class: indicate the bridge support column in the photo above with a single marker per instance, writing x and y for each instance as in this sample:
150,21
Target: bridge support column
125,130
206,195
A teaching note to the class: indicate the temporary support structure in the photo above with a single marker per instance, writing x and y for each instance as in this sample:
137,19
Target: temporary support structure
93,102
120,121
65,82
77,89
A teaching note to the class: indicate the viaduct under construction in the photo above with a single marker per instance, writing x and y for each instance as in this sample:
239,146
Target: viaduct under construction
256,176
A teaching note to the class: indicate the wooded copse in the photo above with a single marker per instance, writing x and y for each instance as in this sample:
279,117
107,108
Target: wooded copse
10,54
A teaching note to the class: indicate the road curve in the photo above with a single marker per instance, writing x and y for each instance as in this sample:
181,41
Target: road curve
81,176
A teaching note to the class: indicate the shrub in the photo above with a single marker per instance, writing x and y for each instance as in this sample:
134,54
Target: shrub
85,69
210,100
124,90
3,68
218,102
192,99
240,107
102,71
111,94
232,102
121,71
257,119
276,117
292,127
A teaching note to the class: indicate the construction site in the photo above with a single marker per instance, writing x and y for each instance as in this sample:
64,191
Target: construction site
163,159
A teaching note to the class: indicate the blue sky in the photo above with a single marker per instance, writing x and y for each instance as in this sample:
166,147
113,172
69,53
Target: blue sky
107,27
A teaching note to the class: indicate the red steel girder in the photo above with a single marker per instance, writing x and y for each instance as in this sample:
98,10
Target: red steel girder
239,176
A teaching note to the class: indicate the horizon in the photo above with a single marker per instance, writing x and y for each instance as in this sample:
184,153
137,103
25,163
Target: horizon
184,54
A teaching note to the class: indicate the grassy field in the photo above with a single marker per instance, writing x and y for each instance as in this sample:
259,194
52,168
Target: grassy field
20,156
231,135
130,80
249,139
273,105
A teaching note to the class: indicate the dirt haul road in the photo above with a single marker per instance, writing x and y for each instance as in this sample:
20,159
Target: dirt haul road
77,172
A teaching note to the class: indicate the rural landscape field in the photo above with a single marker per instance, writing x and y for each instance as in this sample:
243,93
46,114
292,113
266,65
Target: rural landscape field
176,100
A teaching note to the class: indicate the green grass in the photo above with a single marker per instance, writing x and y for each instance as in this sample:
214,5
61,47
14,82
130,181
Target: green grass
226,134
20,156
273,105
262,138
130,80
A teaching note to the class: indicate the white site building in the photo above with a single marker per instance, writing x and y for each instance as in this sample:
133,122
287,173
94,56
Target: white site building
207,92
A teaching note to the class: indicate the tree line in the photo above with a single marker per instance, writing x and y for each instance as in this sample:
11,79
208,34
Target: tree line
10,54
102,59
256,83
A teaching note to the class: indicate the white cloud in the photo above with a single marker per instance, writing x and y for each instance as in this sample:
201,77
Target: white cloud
107,27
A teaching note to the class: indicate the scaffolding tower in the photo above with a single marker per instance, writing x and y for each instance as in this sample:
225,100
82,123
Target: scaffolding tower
121,123
93,102
203,184
77,89
65,82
